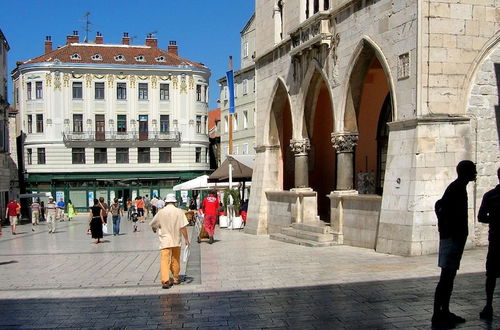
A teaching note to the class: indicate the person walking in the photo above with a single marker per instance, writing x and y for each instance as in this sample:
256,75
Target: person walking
139,204
96,221
11,214
489,212
452,212
35,214
42,211
147,206
129,208
209,206
154,209
104,210
116,213
71,210
50,215
170,222
60,210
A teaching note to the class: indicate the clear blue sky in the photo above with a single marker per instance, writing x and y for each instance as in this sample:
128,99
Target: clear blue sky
206,31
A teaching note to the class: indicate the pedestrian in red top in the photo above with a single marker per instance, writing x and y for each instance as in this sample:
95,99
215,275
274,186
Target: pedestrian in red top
11,212
210,206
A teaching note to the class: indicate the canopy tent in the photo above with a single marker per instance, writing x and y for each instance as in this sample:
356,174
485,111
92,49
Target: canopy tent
193,184
242,169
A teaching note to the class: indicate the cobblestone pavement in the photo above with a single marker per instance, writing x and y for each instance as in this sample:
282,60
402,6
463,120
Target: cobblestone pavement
63,280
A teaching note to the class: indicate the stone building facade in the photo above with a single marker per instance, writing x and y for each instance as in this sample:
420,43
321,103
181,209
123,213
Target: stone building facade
244,93
365,107
111,120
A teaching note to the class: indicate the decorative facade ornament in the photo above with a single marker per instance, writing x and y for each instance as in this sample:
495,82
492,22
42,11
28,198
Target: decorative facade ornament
191,83
111,79
174,82
57,80
88,80
345,141
334,77
48,79
143,77
66,79
132,81
183,85
169,77
153,81
300,147
99,76
76,75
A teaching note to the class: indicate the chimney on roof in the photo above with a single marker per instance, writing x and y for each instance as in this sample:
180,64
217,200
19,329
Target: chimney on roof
172,47
48,44
72,39
125,39
151,41
98,38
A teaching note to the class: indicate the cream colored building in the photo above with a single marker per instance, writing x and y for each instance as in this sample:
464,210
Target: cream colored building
364,108
112,119
244,93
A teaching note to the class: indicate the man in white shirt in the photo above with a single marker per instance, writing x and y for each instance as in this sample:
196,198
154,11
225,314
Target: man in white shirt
170,222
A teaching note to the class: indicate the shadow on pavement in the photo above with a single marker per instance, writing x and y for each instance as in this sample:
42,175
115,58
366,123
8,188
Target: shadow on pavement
403,303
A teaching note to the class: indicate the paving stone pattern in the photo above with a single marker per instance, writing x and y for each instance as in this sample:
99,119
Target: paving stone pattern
240,282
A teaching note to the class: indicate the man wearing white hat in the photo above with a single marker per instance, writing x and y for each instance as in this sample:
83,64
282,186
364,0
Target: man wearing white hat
170,222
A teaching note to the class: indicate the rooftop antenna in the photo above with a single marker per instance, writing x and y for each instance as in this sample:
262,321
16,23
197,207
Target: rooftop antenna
87,26
152,34
132,38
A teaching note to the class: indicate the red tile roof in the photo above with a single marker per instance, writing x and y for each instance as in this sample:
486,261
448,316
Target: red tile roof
109,52
213,117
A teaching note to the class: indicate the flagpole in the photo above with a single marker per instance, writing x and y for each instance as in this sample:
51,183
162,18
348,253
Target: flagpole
230,114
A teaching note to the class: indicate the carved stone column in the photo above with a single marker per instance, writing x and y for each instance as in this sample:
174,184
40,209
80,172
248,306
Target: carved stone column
300,149
344,143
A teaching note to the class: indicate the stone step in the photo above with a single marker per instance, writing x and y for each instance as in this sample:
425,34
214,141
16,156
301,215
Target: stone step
315,227
299,241
317,237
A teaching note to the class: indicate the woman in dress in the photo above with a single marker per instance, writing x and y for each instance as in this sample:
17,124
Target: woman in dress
71,210
96,221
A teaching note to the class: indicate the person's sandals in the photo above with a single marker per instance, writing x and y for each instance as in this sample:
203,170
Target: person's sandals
166,285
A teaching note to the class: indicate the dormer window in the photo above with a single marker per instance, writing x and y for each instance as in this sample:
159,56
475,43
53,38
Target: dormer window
161,58
76,56
119,57
140,58
96,57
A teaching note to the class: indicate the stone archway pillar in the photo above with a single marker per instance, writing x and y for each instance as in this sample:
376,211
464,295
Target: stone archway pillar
344,144
300,148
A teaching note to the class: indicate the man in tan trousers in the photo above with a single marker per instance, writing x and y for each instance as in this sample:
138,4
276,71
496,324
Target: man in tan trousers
170,222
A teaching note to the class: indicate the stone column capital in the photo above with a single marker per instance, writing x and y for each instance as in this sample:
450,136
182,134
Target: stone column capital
300,147
344,141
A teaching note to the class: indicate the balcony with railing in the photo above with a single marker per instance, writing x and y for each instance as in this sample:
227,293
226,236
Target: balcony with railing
315,31
91,139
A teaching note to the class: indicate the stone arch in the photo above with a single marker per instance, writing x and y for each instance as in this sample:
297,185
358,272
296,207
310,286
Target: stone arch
280,132
368,106
359,51
318,123
483,106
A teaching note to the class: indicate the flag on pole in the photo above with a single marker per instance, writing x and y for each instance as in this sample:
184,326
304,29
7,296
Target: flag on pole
230,86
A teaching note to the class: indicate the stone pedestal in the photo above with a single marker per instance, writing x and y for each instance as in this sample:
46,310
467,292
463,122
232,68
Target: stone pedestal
337,213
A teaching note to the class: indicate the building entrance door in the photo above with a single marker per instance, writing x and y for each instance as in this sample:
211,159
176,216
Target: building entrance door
143,127
100,128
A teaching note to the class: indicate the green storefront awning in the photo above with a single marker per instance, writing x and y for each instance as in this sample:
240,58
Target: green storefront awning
115,176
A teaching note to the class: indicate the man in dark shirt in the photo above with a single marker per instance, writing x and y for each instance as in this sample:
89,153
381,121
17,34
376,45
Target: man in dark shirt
453,232
489,212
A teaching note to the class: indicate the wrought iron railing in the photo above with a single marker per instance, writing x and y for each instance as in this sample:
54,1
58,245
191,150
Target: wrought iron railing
92,136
